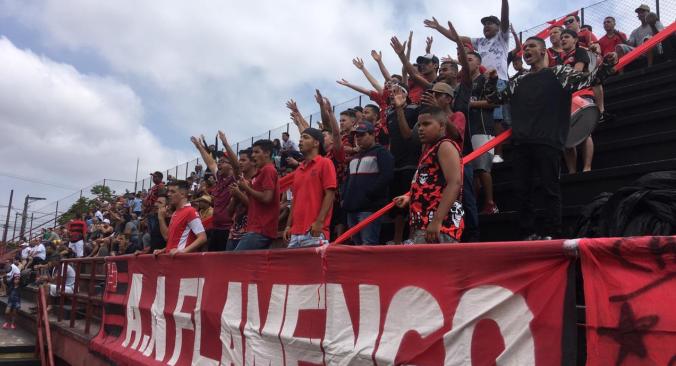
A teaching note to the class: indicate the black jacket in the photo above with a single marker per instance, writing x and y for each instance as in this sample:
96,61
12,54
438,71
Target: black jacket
369,176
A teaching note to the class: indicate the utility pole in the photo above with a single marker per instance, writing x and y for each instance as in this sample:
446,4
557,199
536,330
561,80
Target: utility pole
136,176
30,231
9,212
16,219
25,213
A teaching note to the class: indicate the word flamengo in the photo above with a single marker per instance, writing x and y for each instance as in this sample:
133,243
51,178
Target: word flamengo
284,334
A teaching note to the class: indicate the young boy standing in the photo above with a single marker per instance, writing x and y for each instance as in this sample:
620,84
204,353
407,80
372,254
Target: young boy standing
13,302
436,213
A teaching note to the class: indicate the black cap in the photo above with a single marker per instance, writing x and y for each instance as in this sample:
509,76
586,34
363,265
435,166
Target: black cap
426,59
490,19
158,174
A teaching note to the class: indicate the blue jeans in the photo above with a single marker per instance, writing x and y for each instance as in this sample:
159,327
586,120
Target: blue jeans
306,240
471,233
502,113
369,235
253,241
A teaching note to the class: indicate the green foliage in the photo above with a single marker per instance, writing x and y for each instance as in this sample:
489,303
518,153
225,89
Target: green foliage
102,192
80,207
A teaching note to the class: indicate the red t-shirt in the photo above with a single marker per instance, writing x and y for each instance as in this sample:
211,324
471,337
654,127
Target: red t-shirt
264,217
608,44
458,120
221,194
585,38
77,230
184,225
311,180
153,194
415,91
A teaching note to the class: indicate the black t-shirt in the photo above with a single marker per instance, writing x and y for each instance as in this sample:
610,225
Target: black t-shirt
463,93
540,110
481,119
406,153
579,54
156,239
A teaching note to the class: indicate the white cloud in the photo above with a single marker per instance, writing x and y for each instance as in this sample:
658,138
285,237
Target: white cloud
63,126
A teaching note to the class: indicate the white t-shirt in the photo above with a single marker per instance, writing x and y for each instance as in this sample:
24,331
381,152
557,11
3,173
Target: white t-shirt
70,275
25,252
39,251
78,248
494,52
640,34
13,271
99,215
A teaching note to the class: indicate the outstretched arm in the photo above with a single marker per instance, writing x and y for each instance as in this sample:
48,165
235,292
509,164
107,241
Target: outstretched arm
328,116
451,34
517,41
296,116
356,88
206,156
504,16
231,154
399,50
428,45
359,63
378,57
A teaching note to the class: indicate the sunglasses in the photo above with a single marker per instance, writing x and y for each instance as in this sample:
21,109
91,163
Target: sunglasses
569,21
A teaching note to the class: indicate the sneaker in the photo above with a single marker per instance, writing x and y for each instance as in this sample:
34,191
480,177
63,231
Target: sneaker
490,209
545,238
532,237
605,117
5,326
497,159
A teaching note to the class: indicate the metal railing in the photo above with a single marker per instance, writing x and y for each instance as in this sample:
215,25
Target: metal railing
87,272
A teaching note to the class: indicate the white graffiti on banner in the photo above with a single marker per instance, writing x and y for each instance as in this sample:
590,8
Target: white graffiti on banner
276,343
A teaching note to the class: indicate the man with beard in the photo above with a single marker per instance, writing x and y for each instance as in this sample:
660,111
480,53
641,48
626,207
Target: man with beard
540,101
313,189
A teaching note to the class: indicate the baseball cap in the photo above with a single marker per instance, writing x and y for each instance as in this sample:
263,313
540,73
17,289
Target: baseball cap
427,58
490,19
443,88
206,198
106,221
364,127
158,174
643,7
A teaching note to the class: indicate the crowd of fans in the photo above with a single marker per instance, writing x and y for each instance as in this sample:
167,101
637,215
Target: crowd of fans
407,147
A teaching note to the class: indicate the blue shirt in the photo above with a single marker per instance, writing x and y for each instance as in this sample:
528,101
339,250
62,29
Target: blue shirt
137,204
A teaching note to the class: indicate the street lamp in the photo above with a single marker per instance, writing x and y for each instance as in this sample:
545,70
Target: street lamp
25,213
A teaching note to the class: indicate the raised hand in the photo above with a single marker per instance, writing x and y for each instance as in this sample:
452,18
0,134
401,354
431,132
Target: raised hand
448,58
398,48
410,42
318,96
511,29
428,45
221,135
377,56
399,97
452,34
434,24
359,63
291,104
195,141
428,99
343,82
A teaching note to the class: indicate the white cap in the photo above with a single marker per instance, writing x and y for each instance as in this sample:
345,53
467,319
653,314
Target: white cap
106,221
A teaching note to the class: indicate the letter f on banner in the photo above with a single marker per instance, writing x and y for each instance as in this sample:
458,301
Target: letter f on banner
134,325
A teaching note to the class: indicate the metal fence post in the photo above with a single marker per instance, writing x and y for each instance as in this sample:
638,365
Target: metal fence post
143,184
657,8
56,212
520,36
238,149
186,170
582,16
176,172
30,230
269,135
80,193
252,141
104,182
360,100
287,127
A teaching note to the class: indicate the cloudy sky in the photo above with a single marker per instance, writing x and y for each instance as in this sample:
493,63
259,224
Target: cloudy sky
86,87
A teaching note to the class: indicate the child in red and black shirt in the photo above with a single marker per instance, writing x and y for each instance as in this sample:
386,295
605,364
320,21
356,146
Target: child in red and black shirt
436,213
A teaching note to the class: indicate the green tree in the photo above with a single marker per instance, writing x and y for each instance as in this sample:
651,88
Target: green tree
80,207
102,192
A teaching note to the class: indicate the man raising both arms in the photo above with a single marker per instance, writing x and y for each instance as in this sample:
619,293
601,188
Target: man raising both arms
314,186
185,233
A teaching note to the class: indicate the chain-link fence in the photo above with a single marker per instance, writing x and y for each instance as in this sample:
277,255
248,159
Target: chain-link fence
622,10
